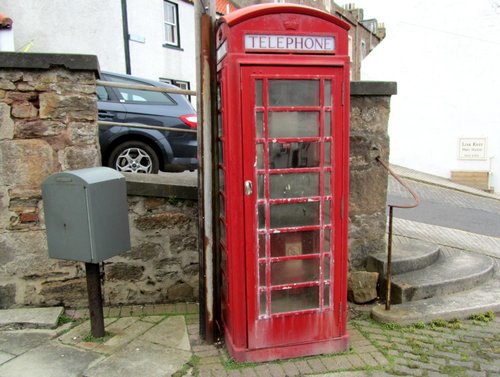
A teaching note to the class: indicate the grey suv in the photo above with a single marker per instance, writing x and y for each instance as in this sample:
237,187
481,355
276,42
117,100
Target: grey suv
143,150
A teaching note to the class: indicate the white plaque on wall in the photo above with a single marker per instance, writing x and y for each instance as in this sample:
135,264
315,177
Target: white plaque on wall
472,148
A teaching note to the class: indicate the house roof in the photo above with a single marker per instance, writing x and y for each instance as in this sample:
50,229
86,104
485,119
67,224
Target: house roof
224,6
221,6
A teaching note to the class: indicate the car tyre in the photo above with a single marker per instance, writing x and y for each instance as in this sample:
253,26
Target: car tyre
134,157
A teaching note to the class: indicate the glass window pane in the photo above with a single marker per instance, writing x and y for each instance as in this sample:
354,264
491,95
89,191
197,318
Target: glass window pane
328,123
220,152
222,207
294,214
326,267
327,183
328,92
259,125
262,219
293,124
135,95
260,186
294,185
169,12
262,274
294,271
293,155
293,92
328,154
326,212
326,295
102,93
260,156
262,245
327,241
222,231
219,124
171,34
262,303
221,180
258,92
294,243
294,299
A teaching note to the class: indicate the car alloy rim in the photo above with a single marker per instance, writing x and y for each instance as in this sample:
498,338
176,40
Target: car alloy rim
134,160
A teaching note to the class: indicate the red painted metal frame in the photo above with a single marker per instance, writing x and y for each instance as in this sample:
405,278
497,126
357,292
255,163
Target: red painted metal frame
249,335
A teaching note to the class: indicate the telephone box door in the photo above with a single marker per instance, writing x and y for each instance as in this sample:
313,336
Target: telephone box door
294,176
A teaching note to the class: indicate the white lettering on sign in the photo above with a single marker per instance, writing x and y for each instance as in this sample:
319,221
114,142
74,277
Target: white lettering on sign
299,43
472,149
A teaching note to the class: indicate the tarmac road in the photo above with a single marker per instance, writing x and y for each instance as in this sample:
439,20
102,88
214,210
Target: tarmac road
447,207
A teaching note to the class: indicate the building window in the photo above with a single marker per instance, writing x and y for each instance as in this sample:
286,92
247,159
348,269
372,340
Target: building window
181,84
363,50
171,22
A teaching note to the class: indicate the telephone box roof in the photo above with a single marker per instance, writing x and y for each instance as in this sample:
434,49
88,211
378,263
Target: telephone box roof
253,11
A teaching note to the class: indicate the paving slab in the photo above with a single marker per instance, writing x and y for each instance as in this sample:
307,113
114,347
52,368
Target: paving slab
49,360
21,341
31,317
78,333
4,357
141,358
171,332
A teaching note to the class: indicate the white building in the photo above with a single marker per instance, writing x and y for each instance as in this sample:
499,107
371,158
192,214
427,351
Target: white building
160,43
445,57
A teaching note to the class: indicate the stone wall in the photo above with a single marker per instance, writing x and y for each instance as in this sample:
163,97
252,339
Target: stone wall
370,106
48,123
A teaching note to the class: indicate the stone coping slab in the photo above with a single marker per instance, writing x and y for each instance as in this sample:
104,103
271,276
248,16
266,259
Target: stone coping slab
31,317
74,62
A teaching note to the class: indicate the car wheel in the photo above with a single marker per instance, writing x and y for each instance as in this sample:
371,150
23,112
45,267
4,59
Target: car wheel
134,157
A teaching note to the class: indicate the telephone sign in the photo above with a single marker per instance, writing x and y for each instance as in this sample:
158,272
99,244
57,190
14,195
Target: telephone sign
283,153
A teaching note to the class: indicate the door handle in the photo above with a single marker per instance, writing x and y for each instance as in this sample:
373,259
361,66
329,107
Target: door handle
248,188
106,115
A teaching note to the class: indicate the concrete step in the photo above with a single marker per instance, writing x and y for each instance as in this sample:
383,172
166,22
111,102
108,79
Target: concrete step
454,271
407,255
460,305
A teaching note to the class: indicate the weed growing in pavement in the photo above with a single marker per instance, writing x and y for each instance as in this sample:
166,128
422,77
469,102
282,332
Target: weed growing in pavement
192,364
92,339
452,370
63,319
483,317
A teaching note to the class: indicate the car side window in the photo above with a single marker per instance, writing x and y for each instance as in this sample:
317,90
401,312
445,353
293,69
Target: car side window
102,93
134,95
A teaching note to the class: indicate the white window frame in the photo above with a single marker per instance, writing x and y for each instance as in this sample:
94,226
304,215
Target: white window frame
173,25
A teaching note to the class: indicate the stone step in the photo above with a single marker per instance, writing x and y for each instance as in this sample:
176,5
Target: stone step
407,255
458,305
454,271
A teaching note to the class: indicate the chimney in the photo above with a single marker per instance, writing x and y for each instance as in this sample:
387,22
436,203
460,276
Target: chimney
381,30
356,12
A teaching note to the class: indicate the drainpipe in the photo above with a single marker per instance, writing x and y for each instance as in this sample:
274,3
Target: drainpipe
126,48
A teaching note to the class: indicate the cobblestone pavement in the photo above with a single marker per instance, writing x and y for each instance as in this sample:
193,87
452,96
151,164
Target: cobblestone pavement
458,348
461,348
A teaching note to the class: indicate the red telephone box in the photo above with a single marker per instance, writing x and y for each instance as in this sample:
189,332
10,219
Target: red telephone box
283,134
